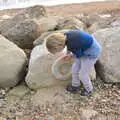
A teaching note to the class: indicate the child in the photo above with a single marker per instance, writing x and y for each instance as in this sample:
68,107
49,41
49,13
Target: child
85,49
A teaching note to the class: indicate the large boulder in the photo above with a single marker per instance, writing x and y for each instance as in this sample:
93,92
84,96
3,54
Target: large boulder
12,63
39,71
94,22
116,22
42,72
105,22
99,25
48,23
25,26
35,12
89,19
108,66
25,32
70,23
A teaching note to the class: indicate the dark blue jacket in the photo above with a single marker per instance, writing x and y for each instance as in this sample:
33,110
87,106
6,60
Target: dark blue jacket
78,42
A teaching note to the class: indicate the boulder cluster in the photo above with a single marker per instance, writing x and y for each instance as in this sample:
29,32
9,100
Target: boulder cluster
24,57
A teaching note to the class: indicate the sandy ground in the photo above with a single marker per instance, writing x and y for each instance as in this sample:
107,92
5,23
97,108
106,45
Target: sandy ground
71,9
99,7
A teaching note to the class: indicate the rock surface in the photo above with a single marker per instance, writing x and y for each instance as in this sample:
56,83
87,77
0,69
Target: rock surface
35,12
12,63
108,66
99,25
116,22
39,71
70,23
48,23
24,33
24,27
88,20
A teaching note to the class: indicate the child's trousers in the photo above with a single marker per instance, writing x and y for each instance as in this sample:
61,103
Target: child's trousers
83,66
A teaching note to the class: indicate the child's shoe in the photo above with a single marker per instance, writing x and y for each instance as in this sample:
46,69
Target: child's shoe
72,89
85,93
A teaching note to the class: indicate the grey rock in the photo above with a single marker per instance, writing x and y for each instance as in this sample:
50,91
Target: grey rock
35,12
99,25
70,23
116,23
12,63
24,33
39,72
108,66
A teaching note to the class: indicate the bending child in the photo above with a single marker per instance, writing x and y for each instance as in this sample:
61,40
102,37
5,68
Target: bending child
86,51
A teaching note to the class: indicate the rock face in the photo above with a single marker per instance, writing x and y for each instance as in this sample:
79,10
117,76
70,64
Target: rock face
99,25
116,22
12,63
108,66
39,73
35,12
26,26
94,22
102,21
48,23
88,20
70,23
40,69
24,33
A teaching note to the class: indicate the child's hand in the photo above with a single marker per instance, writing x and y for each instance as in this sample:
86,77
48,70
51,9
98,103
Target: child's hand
67,57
